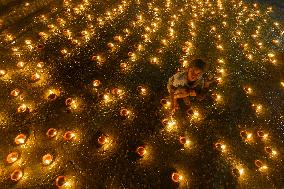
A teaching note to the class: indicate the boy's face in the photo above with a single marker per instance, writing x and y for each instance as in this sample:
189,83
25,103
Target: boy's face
194,74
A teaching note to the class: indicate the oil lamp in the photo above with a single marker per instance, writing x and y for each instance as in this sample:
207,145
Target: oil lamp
96,83
47,159
60,181
69,135
141,151
22,108
20,139
2,73
12,157
16,175
102,139
176,177
51,132
124,112
15,92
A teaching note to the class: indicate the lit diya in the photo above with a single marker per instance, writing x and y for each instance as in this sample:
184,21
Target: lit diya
176,177
35,77
12,157
51,132
51,95
69,135
102,139
123,66
20,139
2,73
116,91
182,139
69,101
15,92
142,90
124,112
141,151
16,175
23,108
258,163
47,159
60,181
96,83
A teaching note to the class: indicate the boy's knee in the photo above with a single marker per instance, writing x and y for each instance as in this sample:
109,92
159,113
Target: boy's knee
169,89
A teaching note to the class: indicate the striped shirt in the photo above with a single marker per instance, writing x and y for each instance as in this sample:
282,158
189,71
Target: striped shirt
179,80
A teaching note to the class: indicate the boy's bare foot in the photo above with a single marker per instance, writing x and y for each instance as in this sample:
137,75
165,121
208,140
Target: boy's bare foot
189,111
186,101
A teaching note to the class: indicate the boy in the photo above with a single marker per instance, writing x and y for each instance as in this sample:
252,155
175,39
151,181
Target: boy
188,82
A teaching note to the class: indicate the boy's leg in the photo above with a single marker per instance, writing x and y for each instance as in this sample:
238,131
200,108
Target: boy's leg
181,93
201,95
189,110
174,104
186,101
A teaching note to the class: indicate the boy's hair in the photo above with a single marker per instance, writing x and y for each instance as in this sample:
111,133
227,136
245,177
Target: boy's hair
199,64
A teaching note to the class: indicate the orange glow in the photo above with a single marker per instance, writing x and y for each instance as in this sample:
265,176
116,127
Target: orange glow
2,73
15,92
96,83
141,151
22,108
60,181
102,139
20,139
124,112
176,177
47,159
35,77
12,157
69,135
220,146
51,132
16,175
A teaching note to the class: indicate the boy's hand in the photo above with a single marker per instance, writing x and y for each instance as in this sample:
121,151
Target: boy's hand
175,108
192,93
174,104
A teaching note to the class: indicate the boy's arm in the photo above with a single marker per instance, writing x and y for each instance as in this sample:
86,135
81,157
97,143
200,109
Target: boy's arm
203,89
174,105
175,88
176,94
182,92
